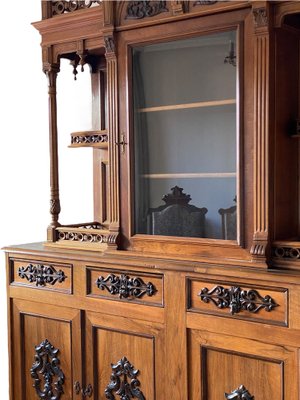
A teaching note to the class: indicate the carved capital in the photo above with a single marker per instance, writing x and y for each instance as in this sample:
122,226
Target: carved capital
260,17
110,47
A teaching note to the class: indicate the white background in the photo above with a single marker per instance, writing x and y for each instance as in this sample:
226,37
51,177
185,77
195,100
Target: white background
24,154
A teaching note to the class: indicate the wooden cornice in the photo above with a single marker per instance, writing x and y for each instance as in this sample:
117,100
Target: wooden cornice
64,28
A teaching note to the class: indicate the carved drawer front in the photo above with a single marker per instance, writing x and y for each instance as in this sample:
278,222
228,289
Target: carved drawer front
235,300
125,286
41,275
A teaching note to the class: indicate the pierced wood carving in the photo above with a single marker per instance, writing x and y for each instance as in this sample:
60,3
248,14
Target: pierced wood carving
41,275
241,393
125,287
237,300
144,9
46,371
88,139
287,253
120,384
89,237
61,7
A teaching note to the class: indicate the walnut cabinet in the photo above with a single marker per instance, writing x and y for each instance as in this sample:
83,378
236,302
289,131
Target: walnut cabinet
184,282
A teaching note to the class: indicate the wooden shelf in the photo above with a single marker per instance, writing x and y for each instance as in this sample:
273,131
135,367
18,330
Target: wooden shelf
191,175
93,138
200,104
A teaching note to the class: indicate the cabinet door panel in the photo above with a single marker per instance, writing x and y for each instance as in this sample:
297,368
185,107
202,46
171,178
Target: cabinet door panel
46,343
122,350
224,367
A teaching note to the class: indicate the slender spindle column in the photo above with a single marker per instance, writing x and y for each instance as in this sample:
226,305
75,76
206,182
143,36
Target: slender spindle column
51,71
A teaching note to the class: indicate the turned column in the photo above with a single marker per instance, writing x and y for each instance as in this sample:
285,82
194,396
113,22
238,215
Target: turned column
51,71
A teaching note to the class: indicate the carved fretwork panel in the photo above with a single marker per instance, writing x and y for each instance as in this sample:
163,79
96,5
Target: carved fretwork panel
63,6
46,372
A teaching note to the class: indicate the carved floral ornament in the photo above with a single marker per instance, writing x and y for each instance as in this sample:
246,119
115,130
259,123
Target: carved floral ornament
237,299
145,9
124,382
41,275
46,373
125,287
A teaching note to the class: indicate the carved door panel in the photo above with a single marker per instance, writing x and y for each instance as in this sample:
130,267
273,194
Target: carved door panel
125,357
224,367
46,348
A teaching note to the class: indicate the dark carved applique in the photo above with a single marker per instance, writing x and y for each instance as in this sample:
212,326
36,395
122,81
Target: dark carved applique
46,373
124,382
143,9
205,2
241,393
125,287
41,275
237,299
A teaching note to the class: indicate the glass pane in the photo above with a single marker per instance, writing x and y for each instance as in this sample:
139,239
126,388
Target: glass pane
77,179
185,137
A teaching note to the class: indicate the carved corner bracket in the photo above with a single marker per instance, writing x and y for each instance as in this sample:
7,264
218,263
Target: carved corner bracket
125,287
237,299
119,383
46,368
241,393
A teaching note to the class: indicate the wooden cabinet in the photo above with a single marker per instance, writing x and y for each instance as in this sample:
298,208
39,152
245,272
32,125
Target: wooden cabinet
185,282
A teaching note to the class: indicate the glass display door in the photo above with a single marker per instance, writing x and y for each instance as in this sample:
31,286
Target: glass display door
185,97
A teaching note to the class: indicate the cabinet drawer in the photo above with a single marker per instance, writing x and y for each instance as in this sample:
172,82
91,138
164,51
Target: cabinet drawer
256,303
41,275
125,286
